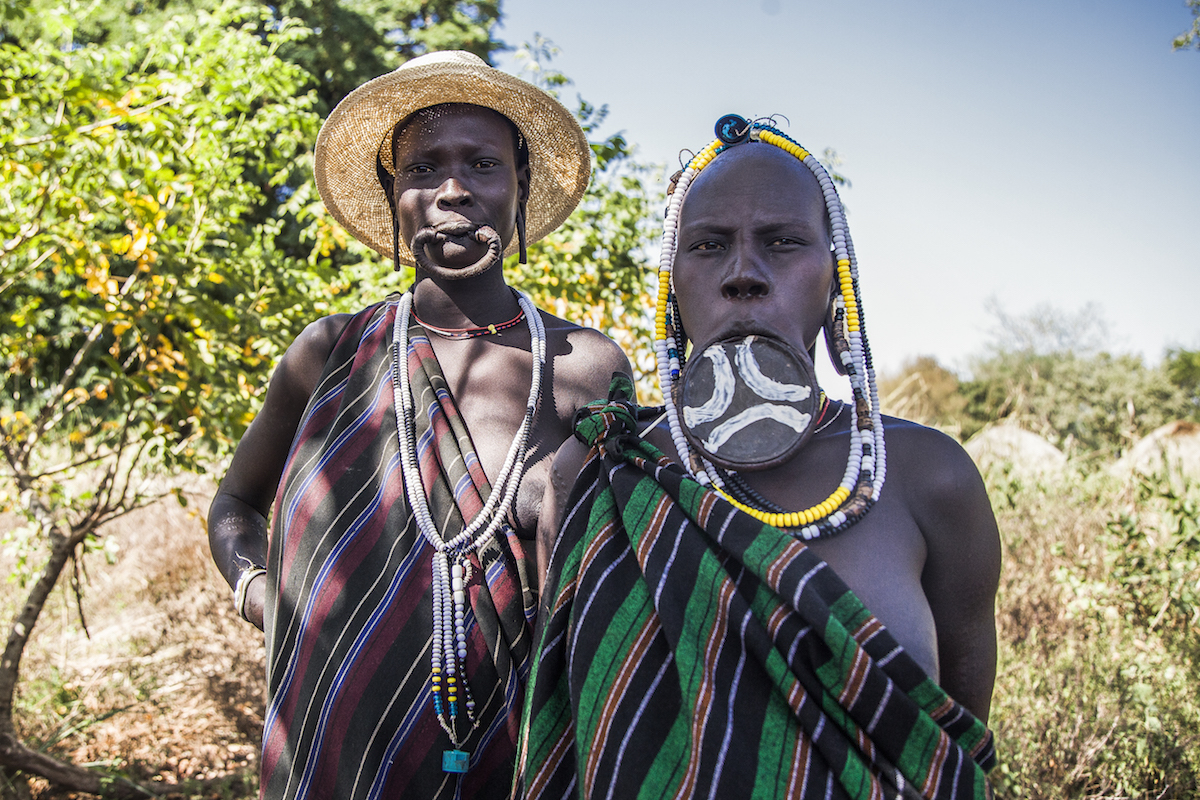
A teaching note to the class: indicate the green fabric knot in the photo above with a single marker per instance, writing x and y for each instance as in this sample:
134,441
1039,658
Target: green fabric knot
603,422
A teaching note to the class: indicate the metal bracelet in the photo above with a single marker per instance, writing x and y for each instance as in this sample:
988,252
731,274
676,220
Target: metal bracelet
242,587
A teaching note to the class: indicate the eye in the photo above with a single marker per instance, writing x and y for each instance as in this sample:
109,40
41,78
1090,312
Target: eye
486,163
785,241
418,169
707,246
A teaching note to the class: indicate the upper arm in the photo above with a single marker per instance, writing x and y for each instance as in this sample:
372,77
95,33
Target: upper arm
594,359
564,469
962,567
260,456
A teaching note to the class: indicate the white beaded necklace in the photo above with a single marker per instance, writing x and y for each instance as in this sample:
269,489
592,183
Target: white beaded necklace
866,466
451,559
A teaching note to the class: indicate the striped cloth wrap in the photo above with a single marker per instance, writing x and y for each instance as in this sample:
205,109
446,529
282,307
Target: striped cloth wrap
349,605
686,649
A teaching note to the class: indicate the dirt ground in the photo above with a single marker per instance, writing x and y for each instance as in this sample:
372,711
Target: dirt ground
166,685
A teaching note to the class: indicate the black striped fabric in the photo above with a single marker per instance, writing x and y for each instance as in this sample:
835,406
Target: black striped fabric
688,650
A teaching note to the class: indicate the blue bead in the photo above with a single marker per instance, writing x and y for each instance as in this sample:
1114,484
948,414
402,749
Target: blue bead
732,129
455,761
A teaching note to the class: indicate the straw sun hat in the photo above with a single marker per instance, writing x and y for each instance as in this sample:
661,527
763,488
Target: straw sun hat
559,156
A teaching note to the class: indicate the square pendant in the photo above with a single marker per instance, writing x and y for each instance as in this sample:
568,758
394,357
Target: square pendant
455,761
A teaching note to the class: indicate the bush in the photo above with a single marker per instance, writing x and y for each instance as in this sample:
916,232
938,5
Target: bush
1096,691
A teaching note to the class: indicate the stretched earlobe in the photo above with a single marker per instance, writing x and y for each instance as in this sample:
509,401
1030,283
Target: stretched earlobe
388,183
835,337
395,241
524,255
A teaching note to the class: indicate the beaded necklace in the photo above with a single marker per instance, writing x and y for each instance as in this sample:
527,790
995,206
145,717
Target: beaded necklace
866,465
451,557
471,333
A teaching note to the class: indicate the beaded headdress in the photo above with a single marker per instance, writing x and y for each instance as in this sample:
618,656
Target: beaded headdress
866,465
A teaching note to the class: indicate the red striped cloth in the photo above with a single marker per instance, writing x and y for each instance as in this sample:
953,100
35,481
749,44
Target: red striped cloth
349,611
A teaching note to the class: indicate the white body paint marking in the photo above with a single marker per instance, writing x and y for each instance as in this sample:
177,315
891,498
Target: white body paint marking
722,395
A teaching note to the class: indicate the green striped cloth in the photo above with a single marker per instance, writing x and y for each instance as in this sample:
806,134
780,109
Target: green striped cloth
686,649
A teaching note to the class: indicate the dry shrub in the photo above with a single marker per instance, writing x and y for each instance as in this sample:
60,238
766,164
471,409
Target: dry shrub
1092,700
169,686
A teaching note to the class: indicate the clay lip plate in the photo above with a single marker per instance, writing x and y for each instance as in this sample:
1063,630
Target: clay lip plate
748,403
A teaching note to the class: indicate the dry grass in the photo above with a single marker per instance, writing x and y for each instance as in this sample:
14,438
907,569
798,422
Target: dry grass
169,686
1092,701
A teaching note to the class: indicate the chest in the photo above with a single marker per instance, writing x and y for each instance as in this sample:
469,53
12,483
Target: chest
881,557
490,380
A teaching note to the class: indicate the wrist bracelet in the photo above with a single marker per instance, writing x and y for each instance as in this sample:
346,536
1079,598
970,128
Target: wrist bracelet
243,585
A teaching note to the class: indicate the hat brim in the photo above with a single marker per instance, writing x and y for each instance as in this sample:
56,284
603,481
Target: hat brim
559,155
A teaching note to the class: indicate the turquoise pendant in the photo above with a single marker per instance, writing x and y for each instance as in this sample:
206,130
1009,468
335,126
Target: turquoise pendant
455,761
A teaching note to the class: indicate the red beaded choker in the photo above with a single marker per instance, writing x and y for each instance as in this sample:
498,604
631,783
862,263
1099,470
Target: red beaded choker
470,333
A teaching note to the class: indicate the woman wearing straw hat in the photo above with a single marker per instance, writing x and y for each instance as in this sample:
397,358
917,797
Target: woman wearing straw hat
405,448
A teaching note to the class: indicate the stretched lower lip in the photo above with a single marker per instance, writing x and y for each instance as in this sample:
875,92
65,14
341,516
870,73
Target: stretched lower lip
455,231
741,329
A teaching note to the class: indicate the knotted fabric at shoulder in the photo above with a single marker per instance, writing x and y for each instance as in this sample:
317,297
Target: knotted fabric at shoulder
605,423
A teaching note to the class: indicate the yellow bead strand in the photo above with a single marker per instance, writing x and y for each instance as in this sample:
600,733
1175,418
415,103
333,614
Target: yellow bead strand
792,519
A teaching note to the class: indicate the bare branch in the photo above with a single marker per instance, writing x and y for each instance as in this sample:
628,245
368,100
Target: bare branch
33,226
77,590
15,755
193,237
37,262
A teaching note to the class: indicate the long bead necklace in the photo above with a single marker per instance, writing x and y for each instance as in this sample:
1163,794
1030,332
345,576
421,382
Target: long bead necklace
866,466
451,559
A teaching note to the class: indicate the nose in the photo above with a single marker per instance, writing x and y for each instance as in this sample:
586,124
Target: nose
453,194
745,280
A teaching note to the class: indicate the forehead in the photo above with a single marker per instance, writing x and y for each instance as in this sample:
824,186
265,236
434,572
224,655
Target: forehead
755,177
456,122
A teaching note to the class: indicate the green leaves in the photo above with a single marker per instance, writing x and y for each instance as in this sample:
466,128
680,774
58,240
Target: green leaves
141,307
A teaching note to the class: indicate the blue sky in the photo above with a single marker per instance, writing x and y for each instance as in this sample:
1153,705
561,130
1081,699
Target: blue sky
1032,152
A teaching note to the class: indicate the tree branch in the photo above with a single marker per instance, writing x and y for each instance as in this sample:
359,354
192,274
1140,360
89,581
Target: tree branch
104,123
37,262
15,755
48,415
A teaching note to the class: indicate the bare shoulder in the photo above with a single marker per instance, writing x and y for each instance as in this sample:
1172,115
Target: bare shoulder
299,370
584,359
931,467
946,497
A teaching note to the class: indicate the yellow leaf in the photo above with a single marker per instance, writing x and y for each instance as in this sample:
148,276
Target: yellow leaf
215,278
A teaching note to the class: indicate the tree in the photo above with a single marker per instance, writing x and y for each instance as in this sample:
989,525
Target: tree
352,41
1191,38
1048,371
1183,370
926,392
140,310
